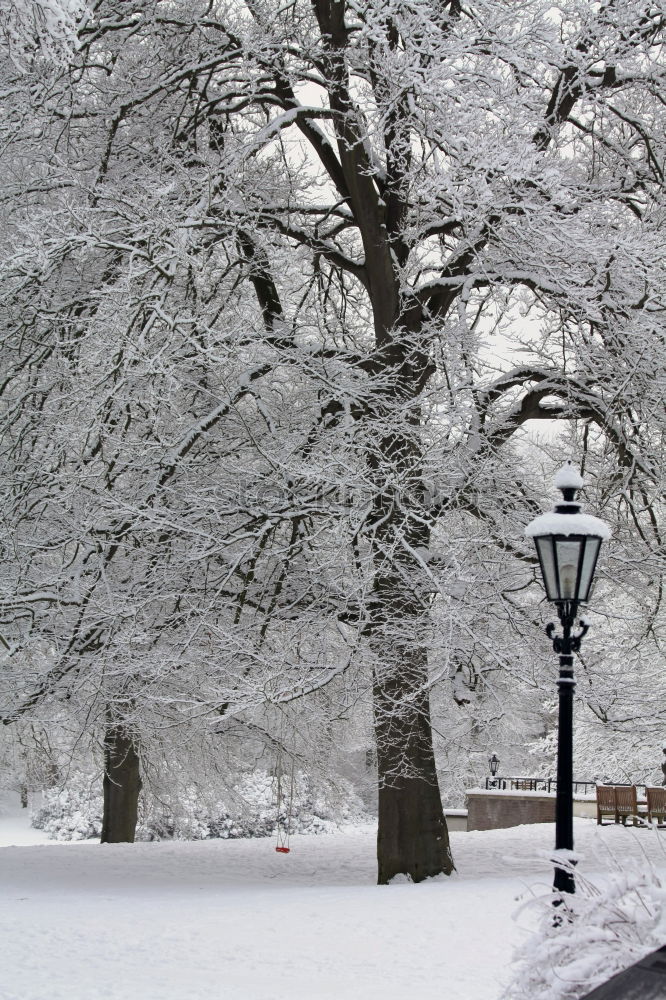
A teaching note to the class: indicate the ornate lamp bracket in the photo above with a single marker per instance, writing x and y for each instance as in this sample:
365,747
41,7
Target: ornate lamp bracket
567,643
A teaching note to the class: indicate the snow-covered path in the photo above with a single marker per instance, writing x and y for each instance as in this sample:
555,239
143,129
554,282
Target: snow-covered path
233,920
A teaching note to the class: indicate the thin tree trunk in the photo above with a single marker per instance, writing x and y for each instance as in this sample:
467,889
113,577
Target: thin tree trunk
122,784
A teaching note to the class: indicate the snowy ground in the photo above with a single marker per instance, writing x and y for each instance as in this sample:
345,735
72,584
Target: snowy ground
233,920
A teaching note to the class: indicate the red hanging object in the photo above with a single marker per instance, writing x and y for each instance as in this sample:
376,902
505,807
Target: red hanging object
283,850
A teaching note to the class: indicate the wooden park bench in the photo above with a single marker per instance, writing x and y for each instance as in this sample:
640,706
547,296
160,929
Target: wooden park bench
656,804
626,804
606,803
620,802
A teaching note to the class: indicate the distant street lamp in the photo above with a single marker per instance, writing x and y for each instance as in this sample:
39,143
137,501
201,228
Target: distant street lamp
493,764
568,544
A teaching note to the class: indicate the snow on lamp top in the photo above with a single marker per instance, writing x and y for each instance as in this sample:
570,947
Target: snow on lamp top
568,477
567,519
553,523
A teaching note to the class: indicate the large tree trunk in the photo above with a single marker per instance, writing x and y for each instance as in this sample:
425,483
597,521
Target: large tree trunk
412,836
122,784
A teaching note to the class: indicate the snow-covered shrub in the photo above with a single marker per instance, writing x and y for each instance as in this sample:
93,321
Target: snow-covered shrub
247,809
72,812
588,938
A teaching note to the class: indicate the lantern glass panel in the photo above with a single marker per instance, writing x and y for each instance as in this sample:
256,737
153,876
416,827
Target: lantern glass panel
546,555
568,562
592,546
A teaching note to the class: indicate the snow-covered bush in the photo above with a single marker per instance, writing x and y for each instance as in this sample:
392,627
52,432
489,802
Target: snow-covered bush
597,932
72,812
248,809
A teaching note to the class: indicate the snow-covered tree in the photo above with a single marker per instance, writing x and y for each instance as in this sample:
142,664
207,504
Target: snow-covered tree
285,285
41,28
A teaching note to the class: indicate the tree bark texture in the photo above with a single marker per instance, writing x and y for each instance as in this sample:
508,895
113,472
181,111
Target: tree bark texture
412,836
122,784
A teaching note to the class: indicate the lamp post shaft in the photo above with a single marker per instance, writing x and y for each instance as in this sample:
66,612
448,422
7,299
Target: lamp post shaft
564,879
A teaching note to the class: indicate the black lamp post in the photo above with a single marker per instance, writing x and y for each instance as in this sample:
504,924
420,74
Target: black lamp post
493,764
567,543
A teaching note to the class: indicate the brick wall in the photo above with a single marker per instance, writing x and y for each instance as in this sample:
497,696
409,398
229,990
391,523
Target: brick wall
493,811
